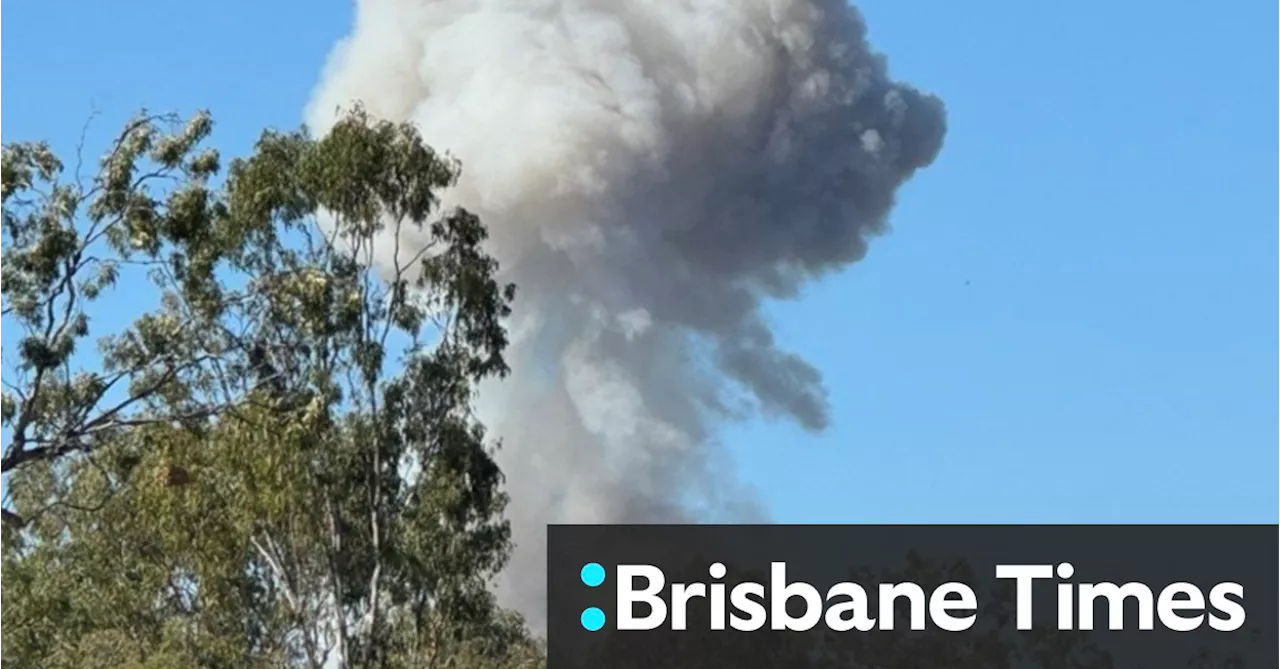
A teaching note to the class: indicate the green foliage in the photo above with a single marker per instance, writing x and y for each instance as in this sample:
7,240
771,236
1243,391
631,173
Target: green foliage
279,465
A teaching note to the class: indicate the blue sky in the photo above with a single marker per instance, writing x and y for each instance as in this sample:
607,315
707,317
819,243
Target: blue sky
1071,321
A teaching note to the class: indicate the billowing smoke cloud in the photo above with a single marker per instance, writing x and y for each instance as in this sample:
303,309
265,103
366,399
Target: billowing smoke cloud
651,172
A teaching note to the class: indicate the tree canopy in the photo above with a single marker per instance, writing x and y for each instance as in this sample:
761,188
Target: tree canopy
278,464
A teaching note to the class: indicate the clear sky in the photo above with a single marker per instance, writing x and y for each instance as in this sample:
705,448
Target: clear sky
1071,321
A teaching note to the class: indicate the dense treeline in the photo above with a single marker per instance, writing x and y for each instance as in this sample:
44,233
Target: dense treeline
275,463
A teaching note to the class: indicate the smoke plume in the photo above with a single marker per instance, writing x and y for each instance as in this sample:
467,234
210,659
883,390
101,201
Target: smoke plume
651,172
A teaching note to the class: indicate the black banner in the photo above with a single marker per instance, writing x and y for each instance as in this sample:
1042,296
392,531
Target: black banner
747,597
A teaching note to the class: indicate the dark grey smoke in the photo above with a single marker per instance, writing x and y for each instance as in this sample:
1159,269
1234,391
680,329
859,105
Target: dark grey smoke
652,172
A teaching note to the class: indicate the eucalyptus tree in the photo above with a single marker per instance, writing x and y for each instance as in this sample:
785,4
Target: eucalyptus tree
278,464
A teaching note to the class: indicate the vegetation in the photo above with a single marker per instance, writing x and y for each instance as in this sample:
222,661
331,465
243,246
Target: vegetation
277,465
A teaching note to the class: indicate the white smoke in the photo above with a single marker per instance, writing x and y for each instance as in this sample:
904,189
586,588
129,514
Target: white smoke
651,171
